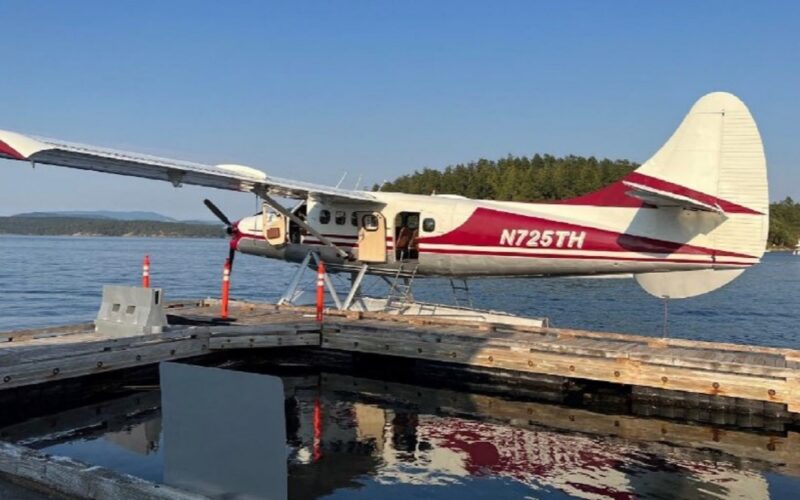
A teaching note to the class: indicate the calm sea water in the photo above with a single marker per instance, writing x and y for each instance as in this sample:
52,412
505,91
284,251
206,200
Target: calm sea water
392,435
56,280
292,430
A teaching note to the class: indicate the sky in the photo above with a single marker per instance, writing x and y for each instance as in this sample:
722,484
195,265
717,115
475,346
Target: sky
310,90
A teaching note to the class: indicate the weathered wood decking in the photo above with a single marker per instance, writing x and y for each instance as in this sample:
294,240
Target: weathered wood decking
759,374
715,375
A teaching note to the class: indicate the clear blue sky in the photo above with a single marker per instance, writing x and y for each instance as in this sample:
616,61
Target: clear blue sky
312,89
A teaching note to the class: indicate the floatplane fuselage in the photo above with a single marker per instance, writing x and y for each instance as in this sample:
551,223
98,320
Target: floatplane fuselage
686,222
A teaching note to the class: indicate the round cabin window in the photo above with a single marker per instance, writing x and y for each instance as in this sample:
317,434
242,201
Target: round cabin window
428,225
324,216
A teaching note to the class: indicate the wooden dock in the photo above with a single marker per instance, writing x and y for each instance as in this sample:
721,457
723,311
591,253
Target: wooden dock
714,373
723,379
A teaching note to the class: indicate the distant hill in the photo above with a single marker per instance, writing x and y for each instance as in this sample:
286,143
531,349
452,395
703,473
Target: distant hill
60,224
101,214
112,215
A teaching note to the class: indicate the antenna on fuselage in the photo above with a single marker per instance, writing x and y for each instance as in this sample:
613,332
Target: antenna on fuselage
344,176
358,181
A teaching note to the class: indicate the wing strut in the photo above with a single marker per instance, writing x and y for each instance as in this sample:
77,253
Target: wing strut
300,222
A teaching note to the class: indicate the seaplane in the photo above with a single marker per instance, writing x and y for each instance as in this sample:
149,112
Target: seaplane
689,220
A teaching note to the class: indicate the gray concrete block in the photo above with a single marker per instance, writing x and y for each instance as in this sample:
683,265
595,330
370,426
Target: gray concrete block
129,310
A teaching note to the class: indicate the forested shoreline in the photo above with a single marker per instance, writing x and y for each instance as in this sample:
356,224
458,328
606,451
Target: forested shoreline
546,178
81,226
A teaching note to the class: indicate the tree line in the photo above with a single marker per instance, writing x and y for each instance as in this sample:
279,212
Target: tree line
546,178
516,178
53,226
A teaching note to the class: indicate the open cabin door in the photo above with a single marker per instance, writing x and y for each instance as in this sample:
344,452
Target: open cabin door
371,237
274,227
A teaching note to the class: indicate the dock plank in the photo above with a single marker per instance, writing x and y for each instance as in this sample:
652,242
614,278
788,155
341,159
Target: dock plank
720,369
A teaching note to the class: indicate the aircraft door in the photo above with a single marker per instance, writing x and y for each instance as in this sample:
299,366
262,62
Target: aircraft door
371,237
274,227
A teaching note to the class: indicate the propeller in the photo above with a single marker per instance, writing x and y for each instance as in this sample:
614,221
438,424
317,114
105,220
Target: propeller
221,216
228,226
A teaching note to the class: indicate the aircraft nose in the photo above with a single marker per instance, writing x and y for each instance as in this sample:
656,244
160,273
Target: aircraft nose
234,234
233,229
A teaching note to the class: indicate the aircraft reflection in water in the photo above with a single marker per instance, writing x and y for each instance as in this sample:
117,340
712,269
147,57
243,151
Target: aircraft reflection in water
342,432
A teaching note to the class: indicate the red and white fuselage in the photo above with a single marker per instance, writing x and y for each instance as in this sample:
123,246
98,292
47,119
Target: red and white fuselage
699,206
688,221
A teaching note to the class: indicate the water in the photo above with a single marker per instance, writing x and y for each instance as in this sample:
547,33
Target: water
359,435
57,280
395,433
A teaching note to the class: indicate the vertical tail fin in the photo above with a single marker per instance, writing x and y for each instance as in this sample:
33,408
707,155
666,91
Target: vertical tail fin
714,162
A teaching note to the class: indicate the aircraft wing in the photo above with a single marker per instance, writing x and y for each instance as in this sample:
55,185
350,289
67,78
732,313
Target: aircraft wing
38,150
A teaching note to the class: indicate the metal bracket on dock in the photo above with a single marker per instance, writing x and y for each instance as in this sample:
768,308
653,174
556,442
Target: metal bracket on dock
129,310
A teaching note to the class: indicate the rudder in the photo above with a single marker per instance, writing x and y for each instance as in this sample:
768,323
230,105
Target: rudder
714,160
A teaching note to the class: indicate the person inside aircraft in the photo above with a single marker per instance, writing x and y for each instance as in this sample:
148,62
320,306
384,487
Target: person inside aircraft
413,246
295,231
407,235
404,235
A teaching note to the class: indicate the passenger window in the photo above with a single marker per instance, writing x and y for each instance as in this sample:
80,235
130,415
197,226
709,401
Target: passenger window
341,217
354,219
324,216
428,225
371,222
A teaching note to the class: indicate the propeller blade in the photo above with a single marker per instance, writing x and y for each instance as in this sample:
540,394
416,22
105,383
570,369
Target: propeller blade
231,254
216,211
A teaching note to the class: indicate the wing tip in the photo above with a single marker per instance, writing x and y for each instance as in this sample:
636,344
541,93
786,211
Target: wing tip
16,146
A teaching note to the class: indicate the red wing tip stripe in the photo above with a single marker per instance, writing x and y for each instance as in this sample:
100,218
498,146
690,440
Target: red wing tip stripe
7,150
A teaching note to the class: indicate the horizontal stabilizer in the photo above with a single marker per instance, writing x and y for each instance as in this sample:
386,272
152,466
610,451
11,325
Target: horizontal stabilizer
659,198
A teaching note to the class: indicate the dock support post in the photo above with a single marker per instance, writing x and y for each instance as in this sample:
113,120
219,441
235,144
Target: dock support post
226,286
146,272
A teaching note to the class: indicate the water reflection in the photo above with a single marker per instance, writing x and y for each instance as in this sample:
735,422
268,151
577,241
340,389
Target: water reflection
224,432
309,434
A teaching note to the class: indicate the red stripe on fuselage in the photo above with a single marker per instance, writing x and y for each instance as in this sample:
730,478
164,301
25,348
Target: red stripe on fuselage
494,253
485,227
341,236
613,195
